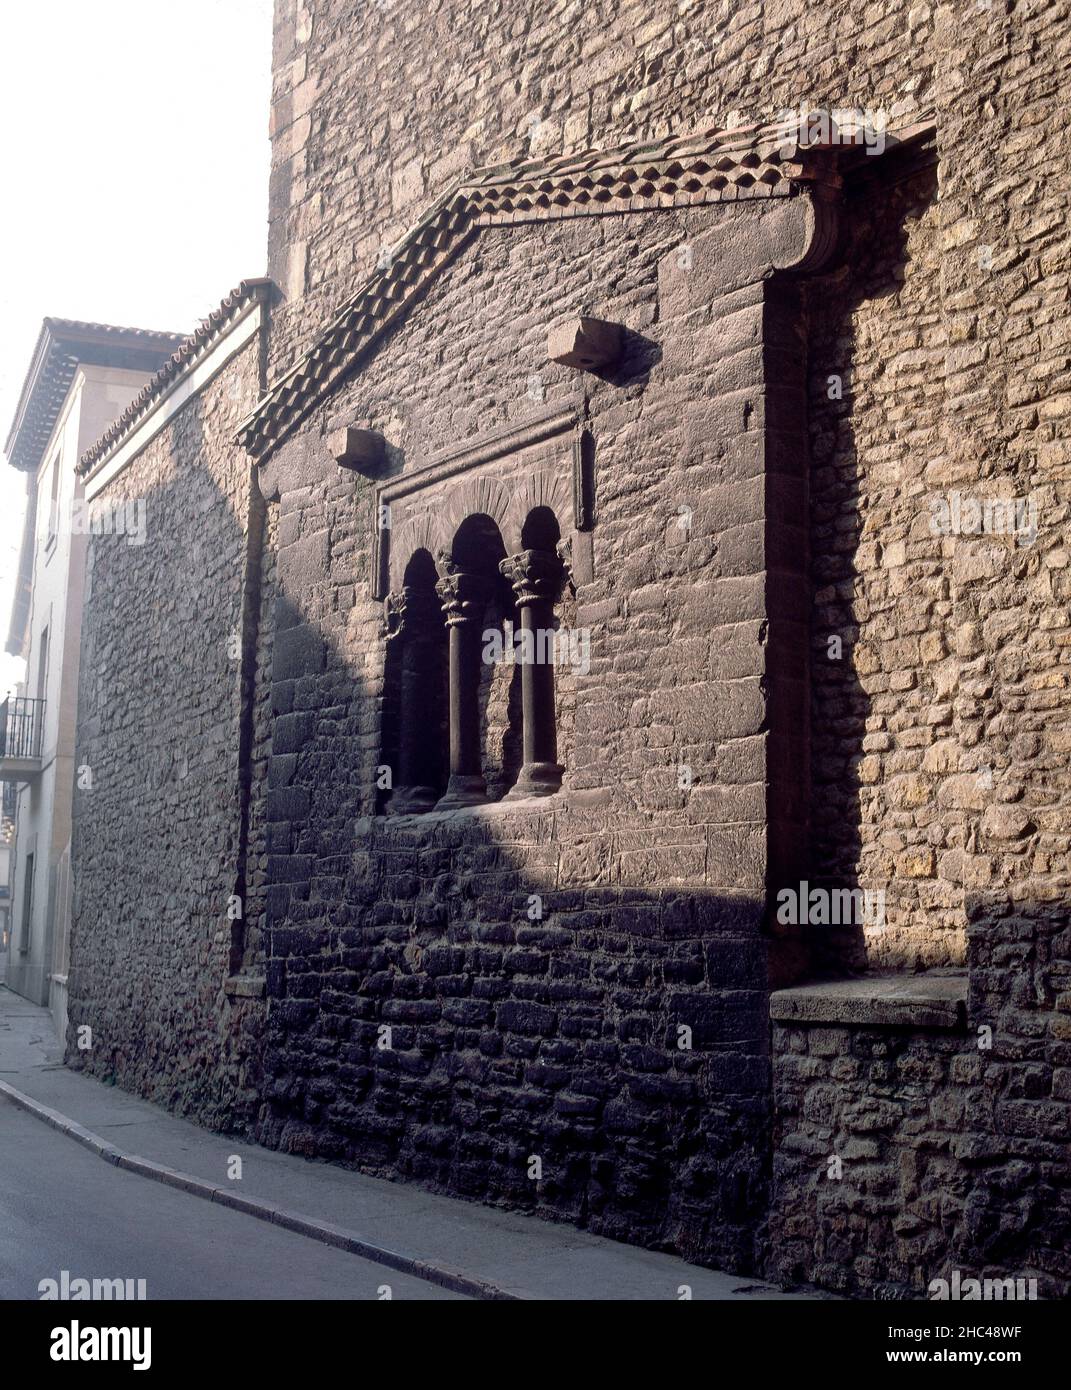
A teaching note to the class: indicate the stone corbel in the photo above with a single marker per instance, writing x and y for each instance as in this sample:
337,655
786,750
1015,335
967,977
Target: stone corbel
357,449
585,344
754,242
812,245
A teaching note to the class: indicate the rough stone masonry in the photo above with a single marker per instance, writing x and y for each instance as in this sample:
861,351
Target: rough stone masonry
618,323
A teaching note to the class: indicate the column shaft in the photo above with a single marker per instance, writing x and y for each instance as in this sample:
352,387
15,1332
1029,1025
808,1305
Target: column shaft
536,577
464,597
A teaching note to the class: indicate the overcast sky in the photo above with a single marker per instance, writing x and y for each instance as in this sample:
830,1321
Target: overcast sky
133,180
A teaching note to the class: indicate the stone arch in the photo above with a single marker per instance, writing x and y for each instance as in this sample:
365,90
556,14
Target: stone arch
475,496
413,723
422,532
546,488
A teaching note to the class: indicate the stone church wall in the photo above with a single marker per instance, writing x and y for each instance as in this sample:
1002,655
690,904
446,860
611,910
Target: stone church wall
938,762
373,118
557,1036
158,834
932,764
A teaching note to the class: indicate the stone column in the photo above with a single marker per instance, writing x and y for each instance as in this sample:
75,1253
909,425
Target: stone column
464,597
414,620
536,576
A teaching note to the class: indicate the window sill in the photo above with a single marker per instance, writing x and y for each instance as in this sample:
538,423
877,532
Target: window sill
932,1000
481,810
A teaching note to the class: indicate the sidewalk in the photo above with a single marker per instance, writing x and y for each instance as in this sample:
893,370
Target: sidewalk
471,1248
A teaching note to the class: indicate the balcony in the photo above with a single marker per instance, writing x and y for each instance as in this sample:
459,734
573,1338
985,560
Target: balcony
22,722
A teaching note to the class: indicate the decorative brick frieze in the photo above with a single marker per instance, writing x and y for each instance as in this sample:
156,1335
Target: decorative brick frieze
726,167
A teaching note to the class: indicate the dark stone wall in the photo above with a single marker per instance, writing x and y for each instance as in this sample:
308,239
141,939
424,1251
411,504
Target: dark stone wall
903,1155
166,830
560,1036
511,1038
870,1134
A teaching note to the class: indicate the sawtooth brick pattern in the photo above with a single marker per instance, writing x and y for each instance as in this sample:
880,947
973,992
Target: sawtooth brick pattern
378,107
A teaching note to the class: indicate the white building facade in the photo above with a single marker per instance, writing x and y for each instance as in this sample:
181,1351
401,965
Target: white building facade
81,378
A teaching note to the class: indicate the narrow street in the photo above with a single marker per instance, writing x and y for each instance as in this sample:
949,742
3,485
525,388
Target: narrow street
61,1208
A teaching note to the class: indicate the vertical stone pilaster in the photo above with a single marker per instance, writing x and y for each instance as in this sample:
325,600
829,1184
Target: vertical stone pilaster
733,313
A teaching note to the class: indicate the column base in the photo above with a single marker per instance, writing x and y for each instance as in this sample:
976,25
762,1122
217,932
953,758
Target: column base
410,801
536,779
463,790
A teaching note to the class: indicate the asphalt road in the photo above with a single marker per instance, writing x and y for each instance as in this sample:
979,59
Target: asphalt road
62,1208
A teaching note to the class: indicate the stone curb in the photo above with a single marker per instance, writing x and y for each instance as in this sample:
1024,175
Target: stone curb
324,1231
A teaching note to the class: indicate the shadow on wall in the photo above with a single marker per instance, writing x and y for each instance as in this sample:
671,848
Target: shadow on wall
496,1001
598,1055
159,844
1018,1211
864,621
543,1004
493,1001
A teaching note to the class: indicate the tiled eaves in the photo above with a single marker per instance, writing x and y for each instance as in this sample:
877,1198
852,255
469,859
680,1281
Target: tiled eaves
710,167
61,345
190,351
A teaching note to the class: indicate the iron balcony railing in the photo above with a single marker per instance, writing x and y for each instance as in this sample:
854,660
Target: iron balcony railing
21,723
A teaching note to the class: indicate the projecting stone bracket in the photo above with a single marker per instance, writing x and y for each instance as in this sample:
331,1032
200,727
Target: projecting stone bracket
585,344
750,244
361,450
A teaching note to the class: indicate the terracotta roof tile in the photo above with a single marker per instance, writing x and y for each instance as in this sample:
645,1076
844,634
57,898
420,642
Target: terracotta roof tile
704,167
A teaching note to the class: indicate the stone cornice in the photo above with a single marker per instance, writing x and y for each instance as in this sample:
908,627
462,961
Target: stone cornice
707,168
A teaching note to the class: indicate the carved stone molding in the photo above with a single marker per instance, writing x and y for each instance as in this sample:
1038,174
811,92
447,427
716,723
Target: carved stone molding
544,460
534,574
718,167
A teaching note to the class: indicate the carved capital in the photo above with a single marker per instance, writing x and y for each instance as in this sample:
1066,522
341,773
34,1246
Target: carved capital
411,613
564,552
534,574
463,595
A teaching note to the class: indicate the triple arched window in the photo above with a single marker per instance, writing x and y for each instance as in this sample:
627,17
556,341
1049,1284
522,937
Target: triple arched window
470,684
